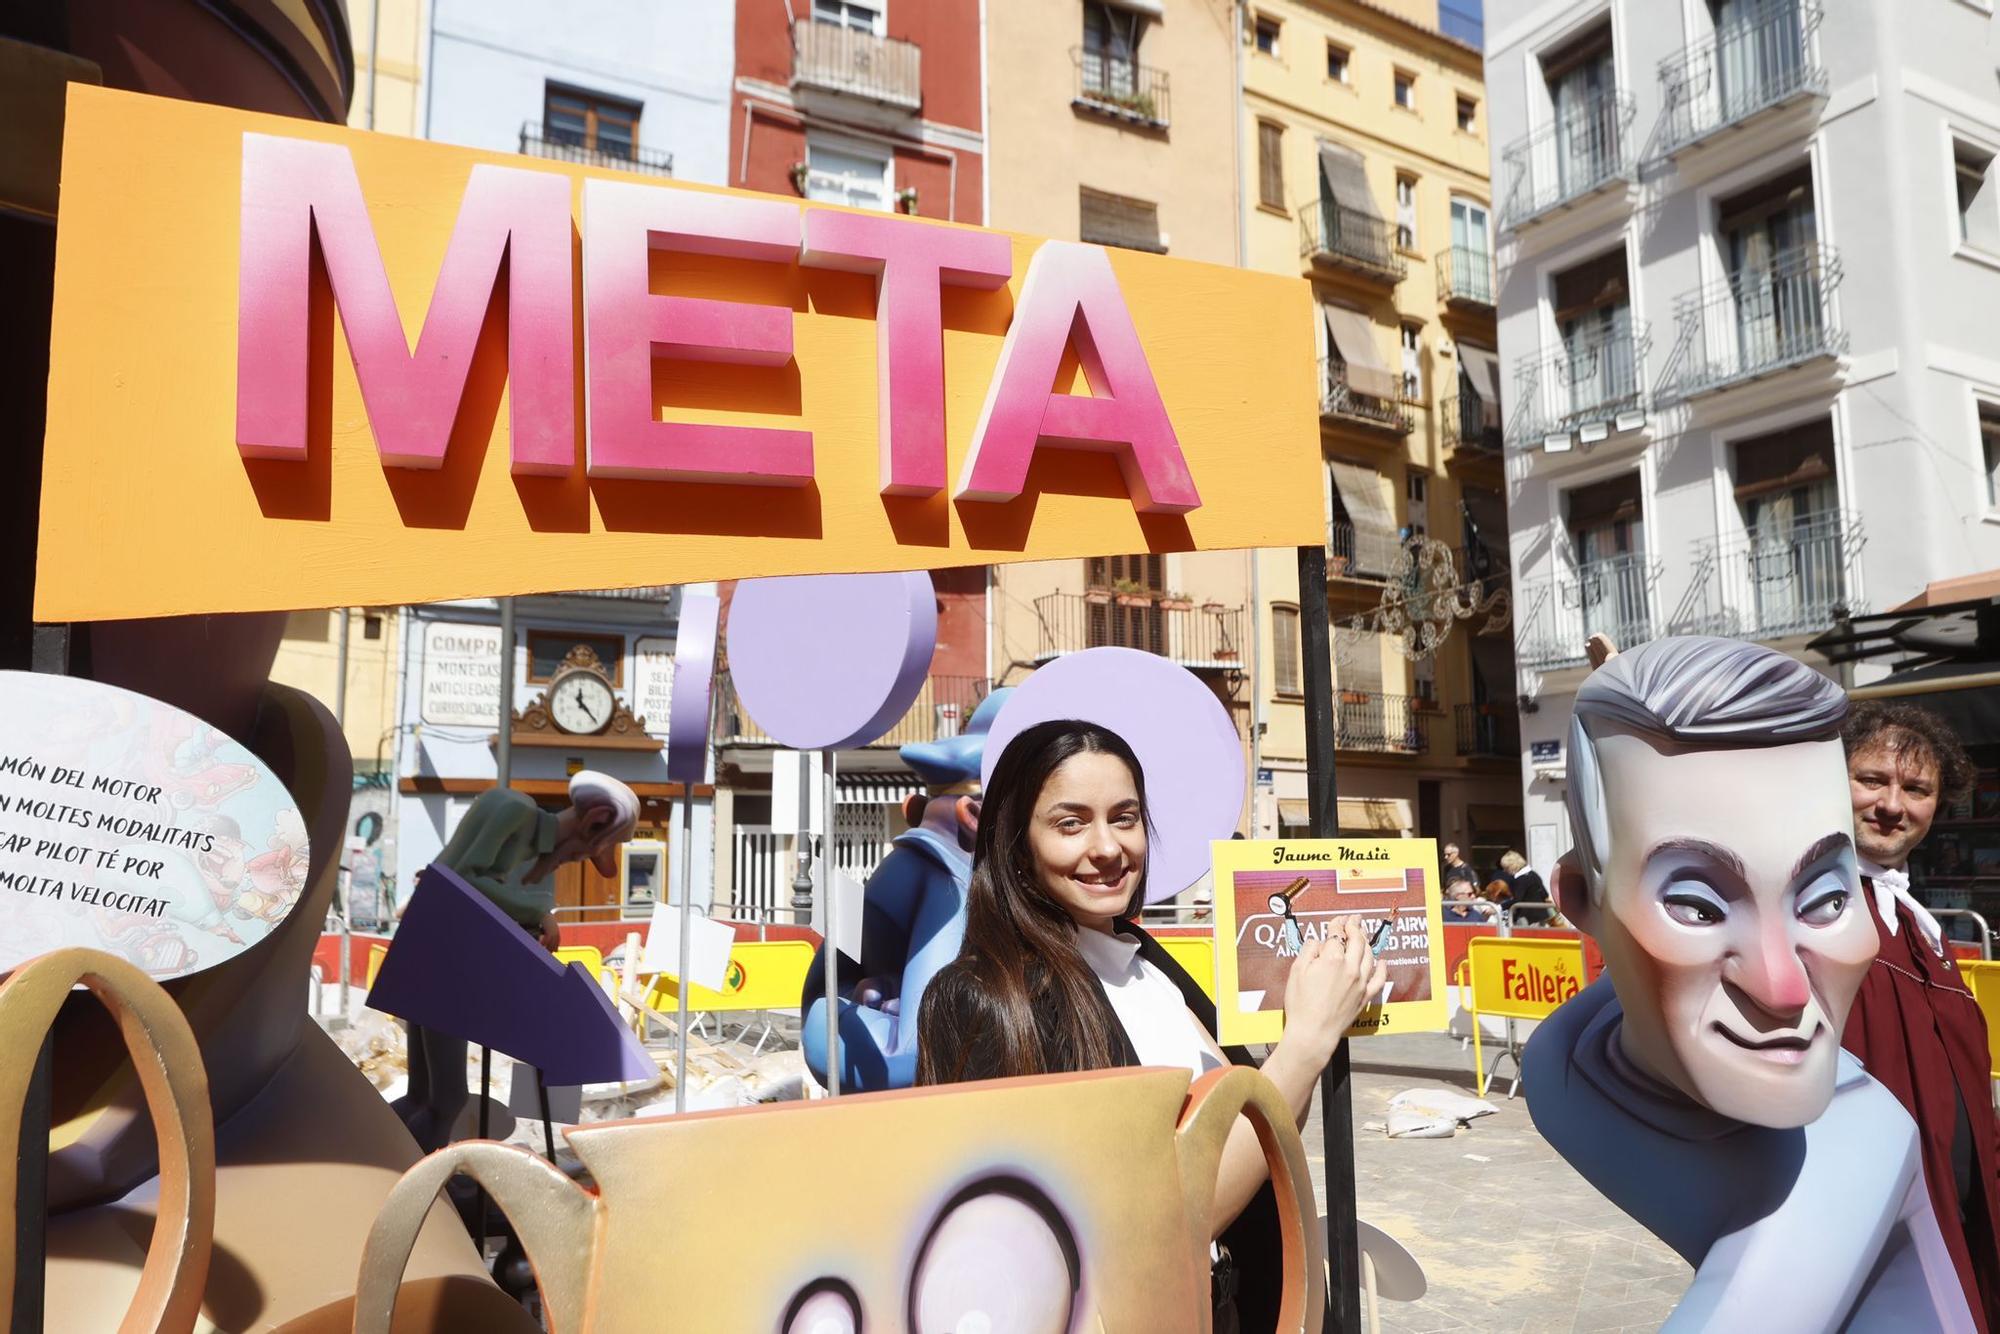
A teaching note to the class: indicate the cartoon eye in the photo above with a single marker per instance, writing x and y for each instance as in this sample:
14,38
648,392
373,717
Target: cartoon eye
999,1260
1693,905
1823,909
826,1307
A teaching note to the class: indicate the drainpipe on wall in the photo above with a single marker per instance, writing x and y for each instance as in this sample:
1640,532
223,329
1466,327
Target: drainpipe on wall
1239,14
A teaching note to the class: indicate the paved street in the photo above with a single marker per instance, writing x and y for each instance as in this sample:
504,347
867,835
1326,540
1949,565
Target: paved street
1509,1237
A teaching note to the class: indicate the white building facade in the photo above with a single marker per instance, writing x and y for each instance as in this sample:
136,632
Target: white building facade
637,87
1748,254
611,656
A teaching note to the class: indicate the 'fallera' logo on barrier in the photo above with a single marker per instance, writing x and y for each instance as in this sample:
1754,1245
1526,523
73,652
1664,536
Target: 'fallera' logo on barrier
1520,980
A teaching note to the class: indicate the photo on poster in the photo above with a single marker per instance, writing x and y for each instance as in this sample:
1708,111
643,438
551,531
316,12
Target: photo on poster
1272,896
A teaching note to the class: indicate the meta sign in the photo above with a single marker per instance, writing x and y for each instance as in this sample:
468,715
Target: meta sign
348,368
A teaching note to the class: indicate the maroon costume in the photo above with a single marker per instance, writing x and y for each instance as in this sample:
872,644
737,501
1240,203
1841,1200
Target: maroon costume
1921,1035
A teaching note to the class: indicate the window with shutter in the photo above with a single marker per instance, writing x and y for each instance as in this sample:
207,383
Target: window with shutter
1270,164
1109,219
1285,667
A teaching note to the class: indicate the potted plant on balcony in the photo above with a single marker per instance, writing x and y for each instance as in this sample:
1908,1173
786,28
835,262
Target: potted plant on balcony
1212,607
1097,597
1176,602
1131,593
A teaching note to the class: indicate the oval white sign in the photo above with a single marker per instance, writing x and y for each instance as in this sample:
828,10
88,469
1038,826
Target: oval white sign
132,827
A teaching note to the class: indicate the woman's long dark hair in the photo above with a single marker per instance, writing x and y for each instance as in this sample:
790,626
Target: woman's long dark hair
1020,953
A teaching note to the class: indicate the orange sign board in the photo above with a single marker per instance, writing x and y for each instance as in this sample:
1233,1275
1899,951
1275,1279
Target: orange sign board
206,410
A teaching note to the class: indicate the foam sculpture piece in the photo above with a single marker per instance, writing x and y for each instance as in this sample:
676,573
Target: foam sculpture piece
293,1118
1181,733
460,966
1700,1084
831,660
912,919
1047,1204
167,1062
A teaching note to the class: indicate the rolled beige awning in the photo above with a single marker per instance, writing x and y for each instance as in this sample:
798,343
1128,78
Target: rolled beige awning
1368,507
1371,815
1482,368
1345,179
1353,341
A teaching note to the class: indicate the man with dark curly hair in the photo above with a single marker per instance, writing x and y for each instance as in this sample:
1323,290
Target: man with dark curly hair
1914,1024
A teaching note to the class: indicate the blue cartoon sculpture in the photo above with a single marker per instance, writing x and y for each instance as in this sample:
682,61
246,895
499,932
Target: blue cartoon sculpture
912,919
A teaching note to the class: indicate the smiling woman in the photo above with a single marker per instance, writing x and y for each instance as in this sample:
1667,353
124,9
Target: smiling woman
1056,976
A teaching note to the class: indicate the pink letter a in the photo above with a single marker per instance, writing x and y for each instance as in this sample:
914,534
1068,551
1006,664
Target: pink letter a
295,189
1070,290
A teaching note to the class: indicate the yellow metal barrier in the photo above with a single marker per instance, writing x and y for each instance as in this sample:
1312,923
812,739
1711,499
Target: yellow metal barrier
763,975
1196,954
1983,980
1509,977
591,958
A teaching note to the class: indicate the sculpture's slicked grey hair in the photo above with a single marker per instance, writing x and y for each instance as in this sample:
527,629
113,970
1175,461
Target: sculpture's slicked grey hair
1694,691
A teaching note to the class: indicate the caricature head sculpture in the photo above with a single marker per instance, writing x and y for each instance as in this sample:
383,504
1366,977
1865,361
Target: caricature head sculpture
1708,796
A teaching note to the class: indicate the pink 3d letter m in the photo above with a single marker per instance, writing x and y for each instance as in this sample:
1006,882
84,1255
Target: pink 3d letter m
295,190
1070,291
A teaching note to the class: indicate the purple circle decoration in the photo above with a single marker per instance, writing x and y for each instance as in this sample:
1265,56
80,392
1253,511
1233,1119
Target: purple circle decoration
694,681
831,660
1176,726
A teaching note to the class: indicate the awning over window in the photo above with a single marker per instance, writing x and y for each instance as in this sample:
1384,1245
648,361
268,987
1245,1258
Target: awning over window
1593,284
1482,369
883,789
1797,456
1368,509
1343,178
1357,660
1388,816
1604,502
1116,220
1351,338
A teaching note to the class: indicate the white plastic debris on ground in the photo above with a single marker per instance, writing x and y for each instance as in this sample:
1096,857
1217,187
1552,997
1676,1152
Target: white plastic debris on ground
719,1076
1433,1113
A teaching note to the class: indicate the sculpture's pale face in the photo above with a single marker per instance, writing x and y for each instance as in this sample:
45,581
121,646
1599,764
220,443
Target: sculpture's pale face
1731,919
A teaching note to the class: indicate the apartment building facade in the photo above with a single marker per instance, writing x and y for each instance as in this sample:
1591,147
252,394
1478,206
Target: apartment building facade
871,103
1365,170
642,88
874,104
1112,123
1745,251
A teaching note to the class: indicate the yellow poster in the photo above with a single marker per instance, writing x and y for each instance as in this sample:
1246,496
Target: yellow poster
1516,978
1273,896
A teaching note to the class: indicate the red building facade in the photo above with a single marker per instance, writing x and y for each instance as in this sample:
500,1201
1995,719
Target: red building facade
873,103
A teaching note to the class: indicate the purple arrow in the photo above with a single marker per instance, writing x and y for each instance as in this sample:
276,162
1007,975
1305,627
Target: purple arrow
461,966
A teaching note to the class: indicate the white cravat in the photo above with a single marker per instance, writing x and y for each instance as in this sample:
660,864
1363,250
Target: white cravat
1892,888
1151,1008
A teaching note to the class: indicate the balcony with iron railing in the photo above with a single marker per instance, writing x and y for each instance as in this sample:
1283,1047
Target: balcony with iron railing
1757,322
1580,152
1380,724
943,702
1380,408
855,63
1111,85
1465,278
1763,60
1796,578
1481,567
1587,381
560,147
1334,236
1557,614
1488,731
1471,425
1352,555
1205,634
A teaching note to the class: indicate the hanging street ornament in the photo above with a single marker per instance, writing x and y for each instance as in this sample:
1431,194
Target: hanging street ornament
1423,597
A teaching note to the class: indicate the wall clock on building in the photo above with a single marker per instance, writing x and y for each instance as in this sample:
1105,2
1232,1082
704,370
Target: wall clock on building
579,708
580,701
